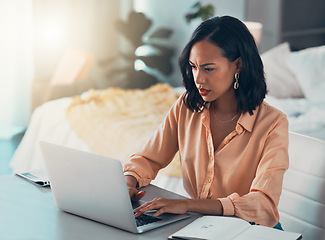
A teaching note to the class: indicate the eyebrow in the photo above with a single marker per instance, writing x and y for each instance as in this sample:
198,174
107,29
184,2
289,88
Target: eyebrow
203,65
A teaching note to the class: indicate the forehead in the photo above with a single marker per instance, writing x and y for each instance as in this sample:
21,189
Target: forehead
205,51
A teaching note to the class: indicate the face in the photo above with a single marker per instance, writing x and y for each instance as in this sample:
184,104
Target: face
213,73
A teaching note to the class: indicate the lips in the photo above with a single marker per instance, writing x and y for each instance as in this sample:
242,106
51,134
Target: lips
203,92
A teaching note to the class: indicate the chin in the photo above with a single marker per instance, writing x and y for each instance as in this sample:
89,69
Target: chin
209,98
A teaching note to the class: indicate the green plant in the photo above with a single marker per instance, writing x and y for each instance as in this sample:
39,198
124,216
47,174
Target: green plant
200,11
147,51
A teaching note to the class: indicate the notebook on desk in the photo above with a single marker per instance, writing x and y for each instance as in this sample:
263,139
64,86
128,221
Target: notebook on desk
94,187
225,227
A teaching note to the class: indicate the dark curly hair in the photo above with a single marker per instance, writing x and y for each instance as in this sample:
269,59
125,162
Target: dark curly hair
234,39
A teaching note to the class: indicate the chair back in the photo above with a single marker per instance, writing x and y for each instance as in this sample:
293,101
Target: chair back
302,203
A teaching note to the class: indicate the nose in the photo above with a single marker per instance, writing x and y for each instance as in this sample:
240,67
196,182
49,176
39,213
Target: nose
198,76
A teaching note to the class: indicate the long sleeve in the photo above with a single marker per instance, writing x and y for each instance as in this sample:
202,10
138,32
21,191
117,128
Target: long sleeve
260,204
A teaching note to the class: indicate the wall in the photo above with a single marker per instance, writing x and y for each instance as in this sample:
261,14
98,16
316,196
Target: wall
16,65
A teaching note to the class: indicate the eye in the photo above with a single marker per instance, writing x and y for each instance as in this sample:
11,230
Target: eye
208,69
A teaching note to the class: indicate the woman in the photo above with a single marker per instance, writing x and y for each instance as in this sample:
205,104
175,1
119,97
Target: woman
233,146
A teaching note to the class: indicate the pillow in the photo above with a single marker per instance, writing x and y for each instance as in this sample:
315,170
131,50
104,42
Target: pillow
281,82
308,65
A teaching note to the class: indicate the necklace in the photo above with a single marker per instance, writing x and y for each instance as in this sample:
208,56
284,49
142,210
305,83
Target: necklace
224,121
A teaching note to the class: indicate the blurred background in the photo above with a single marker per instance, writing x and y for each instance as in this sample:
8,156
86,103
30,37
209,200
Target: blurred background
56,48
44,43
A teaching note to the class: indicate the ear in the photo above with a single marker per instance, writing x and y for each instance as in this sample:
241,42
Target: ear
238,63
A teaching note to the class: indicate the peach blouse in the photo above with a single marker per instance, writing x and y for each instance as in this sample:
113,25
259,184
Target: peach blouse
245,172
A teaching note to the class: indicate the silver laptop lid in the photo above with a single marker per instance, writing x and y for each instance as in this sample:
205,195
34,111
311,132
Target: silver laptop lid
89,185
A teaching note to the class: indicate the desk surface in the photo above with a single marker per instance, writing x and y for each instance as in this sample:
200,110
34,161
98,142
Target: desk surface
28,211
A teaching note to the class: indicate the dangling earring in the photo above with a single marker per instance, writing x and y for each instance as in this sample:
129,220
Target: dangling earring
236,84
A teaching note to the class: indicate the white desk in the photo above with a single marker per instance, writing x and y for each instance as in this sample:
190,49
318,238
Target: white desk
28,212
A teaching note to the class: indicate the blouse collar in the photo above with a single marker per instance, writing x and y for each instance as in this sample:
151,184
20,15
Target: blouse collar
245,120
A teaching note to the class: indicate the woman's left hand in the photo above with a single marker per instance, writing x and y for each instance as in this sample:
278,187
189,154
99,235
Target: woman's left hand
163,205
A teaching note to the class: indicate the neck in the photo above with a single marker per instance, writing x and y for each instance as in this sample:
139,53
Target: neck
226,106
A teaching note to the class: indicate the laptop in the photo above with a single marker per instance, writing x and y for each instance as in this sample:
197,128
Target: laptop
94,187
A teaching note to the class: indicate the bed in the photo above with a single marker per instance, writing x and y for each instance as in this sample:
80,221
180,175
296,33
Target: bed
111,122
296,84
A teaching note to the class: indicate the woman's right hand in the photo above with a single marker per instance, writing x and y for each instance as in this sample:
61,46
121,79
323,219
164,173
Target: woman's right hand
134,193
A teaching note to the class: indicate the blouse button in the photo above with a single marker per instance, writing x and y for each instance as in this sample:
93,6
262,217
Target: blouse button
209,180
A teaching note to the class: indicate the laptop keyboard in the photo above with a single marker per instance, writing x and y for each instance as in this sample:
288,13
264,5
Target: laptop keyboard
144,219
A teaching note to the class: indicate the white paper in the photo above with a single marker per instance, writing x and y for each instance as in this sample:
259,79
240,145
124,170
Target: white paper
230,228
213,227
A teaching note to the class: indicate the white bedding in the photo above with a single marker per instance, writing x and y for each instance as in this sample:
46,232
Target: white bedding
48,123
296,84
305,116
